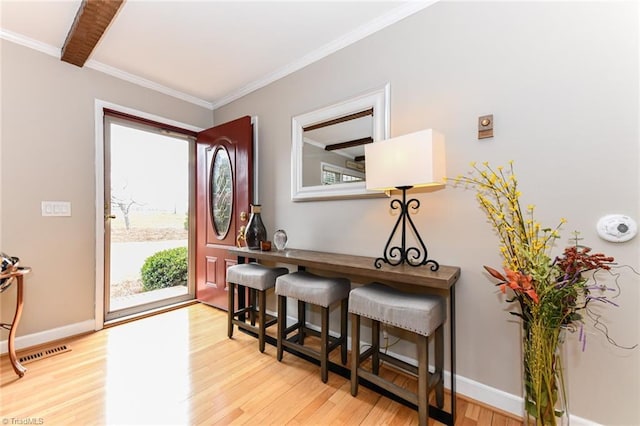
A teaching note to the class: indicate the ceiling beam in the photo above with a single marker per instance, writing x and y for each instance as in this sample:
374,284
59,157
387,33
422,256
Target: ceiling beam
349,144
91,21
339,120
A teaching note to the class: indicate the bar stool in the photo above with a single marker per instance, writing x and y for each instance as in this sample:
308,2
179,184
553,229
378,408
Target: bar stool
320,291
421,314
258,278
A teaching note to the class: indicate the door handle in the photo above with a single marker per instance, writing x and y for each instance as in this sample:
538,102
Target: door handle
109,216
240,238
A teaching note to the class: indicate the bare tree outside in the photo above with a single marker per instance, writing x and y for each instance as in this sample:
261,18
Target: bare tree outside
123,200
149,197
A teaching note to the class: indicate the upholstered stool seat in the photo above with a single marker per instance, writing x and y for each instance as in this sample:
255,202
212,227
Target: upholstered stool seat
258,278
323,292
421,314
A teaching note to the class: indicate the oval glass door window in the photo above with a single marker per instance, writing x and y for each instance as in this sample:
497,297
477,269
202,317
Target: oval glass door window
221,192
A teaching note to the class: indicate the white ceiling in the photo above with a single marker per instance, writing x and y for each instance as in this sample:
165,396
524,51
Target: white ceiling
206,52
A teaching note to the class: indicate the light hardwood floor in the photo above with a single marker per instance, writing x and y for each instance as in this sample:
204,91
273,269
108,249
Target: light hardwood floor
180,368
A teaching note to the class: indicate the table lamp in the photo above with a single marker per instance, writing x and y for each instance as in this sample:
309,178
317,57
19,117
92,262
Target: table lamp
405,162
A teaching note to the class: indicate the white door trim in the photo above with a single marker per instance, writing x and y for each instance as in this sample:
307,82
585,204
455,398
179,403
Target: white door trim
100,105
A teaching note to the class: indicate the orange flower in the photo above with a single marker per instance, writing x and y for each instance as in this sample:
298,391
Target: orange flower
516,281
519,282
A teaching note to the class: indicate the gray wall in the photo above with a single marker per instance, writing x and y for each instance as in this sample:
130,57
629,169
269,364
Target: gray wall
561,79
47,153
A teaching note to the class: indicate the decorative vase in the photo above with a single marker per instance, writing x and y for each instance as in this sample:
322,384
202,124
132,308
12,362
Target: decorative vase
545,395
280,239
255,232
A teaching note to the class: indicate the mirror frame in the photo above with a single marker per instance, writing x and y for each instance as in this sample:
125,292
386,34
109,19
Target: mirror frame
378,100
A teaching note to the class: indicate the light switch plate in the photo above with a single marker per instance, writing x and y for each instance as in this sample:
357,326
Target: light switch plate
56,208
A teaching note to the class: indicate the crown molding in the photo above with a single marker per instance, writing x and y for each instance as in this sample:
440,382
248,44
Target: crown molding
30,43
329,48
98,66
118,73
358,34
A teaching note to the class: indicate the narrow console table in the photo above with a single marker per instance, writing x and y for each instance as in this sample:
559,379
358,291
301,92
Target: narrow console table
361,269
18,275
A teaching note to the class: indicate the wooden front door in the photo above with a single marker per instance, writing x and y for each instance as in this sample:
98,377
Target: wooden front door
224,190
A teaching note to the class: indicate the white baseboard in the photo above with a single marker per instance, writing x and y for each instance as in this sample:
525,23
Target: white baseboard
39,338
475,390
491,396
496,398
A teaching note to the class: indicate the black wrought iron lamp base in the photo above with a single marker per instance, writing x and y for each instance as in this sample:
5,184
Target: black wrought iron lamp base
398,255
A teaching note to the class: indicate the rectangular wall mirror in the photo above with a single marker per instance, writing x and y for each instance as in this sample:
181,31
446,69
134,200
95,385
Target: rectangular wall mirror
327,155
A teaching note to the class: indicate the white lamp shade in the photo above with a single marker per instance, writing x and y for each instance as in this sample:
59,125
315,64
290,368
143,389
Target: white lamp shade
416,159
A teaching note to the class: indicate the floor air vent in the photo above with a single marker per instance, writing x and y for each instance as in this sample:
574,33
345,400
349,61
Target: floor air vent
43,353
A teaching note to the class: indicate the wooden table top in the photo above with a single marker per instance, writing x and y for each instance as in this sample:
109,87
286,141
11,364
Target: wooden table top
360,266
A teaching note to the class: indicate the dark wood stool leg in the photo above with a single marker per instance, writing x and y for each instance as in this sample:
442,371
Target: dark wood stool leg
231,310
262,306
355,352
324,345
439,361
423,379
375,346
252,306
282,324
302,321
344,308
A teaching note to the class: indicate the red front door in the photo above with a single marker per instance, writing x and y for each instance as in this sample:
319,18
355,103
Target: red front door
223,193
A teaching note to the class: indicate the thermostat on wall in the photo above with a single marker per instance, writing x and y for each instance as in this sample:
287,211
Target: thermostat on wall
617,228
